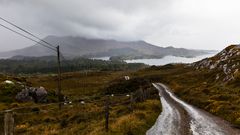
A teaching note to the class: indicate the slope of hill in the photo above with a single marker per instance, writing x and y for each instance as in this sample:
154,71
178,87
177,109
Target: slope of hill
85,115
212,84
194,83
78,46
226,63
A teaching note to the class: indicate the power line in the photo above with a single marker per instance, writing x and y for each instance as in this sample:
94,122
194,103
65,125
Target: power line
27,37
27,32
48,45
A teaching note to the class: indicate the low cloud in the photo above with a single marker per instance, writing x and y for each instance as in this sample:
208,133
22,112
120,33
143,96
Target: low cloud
187,23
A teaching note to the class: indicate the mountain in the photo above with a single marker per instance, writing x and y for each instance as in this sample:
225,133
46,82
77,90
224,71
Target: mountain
225,64
78,46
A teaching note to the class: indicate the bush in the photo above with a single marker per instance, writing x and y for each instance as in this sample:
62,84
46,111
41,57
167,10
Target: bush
121,86
8,92
36,109
63,123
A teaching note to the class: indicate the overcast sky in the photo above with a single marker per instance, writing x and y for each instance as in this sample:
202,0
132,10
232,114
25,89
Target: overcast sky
197,24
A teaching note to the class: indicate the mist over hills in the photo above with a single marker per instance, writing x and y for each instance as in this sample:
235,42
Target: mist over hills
82,47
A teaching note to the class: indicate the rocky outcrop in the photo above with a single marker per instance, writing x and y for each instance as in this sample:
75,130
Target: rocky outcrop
38,95
227,62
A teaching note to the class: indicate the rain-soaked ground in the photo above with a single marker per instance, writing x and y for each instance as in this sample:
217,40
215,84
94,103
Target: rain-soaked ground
180,118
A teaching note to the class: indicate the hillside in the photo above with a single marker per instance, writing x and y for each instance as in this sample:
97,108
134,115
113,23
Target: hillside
85,115
194,83
225,63
212,84
78,46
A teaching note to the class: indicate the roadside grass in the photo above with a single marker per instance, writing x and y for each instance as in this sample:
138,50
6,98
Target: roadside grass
88,118
136,123
199,88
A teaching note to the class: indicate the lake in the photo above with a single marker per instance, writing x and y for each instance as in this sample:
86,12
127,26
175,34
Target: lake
169,59
4,57
165,60
101,58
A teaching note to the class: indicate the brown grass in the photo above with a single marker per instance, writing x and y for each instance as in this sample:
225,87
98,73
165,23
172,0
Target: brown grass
87,119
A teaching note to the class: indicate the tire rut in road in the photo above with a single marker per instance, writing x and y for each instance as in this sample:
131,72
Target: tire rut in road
191,120
174,119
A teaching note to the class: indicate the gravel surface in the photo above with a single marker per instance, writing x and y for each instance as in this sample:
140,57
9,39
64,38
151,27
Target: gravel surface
180,118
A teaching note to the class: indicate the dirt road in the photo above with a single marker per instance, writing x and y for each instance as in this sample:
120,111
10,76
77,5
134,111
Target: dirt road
180,118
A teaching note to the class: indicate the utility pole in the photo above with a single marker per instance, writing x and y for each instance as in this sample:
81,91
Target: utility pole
59,78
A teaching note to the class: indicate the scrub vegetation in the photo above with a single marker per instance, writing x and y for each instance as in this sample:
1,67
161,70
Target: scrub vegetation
80,117
211,84
200,88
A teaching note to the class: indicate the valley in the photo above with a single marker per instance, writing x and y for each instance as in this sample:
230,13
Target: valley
89,89
91,67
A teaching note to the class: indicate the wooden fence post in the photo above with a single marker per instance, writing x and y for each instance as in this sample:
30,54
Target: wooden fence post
142,94
8,123
131,101
107,113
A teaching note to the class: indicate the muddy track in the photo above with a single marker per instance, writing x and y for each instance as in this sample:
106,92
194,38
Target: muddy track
180,118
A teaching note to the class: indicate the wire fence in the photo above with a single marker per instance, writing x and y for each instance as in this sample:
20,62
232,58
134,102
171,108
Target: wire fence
13,120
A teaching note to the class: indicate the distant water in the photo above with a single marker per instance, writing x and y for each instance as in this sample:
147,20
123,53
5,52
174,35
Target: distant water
169,59
4,57
101,58
165,60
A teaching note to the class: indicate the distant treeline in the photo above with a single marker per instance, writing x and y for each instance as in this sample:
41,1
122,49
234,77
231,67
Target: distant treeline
49,65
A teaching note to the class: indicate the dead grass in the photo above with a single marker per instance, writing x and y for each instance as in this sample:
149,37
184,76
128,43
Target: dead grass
87,119
199,88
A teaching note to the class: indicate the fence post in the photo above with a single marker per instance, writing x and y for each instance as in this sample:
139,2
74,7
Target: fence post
142,94
132,101
8,123
107,113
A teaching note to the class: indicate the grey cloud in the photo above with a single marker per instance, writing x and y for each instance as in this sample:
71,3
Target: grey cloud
187,23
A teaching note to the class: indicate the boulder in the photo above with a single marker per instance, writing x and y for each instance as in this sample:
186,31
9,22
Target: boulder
38,95
24,96
41,94
41,91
